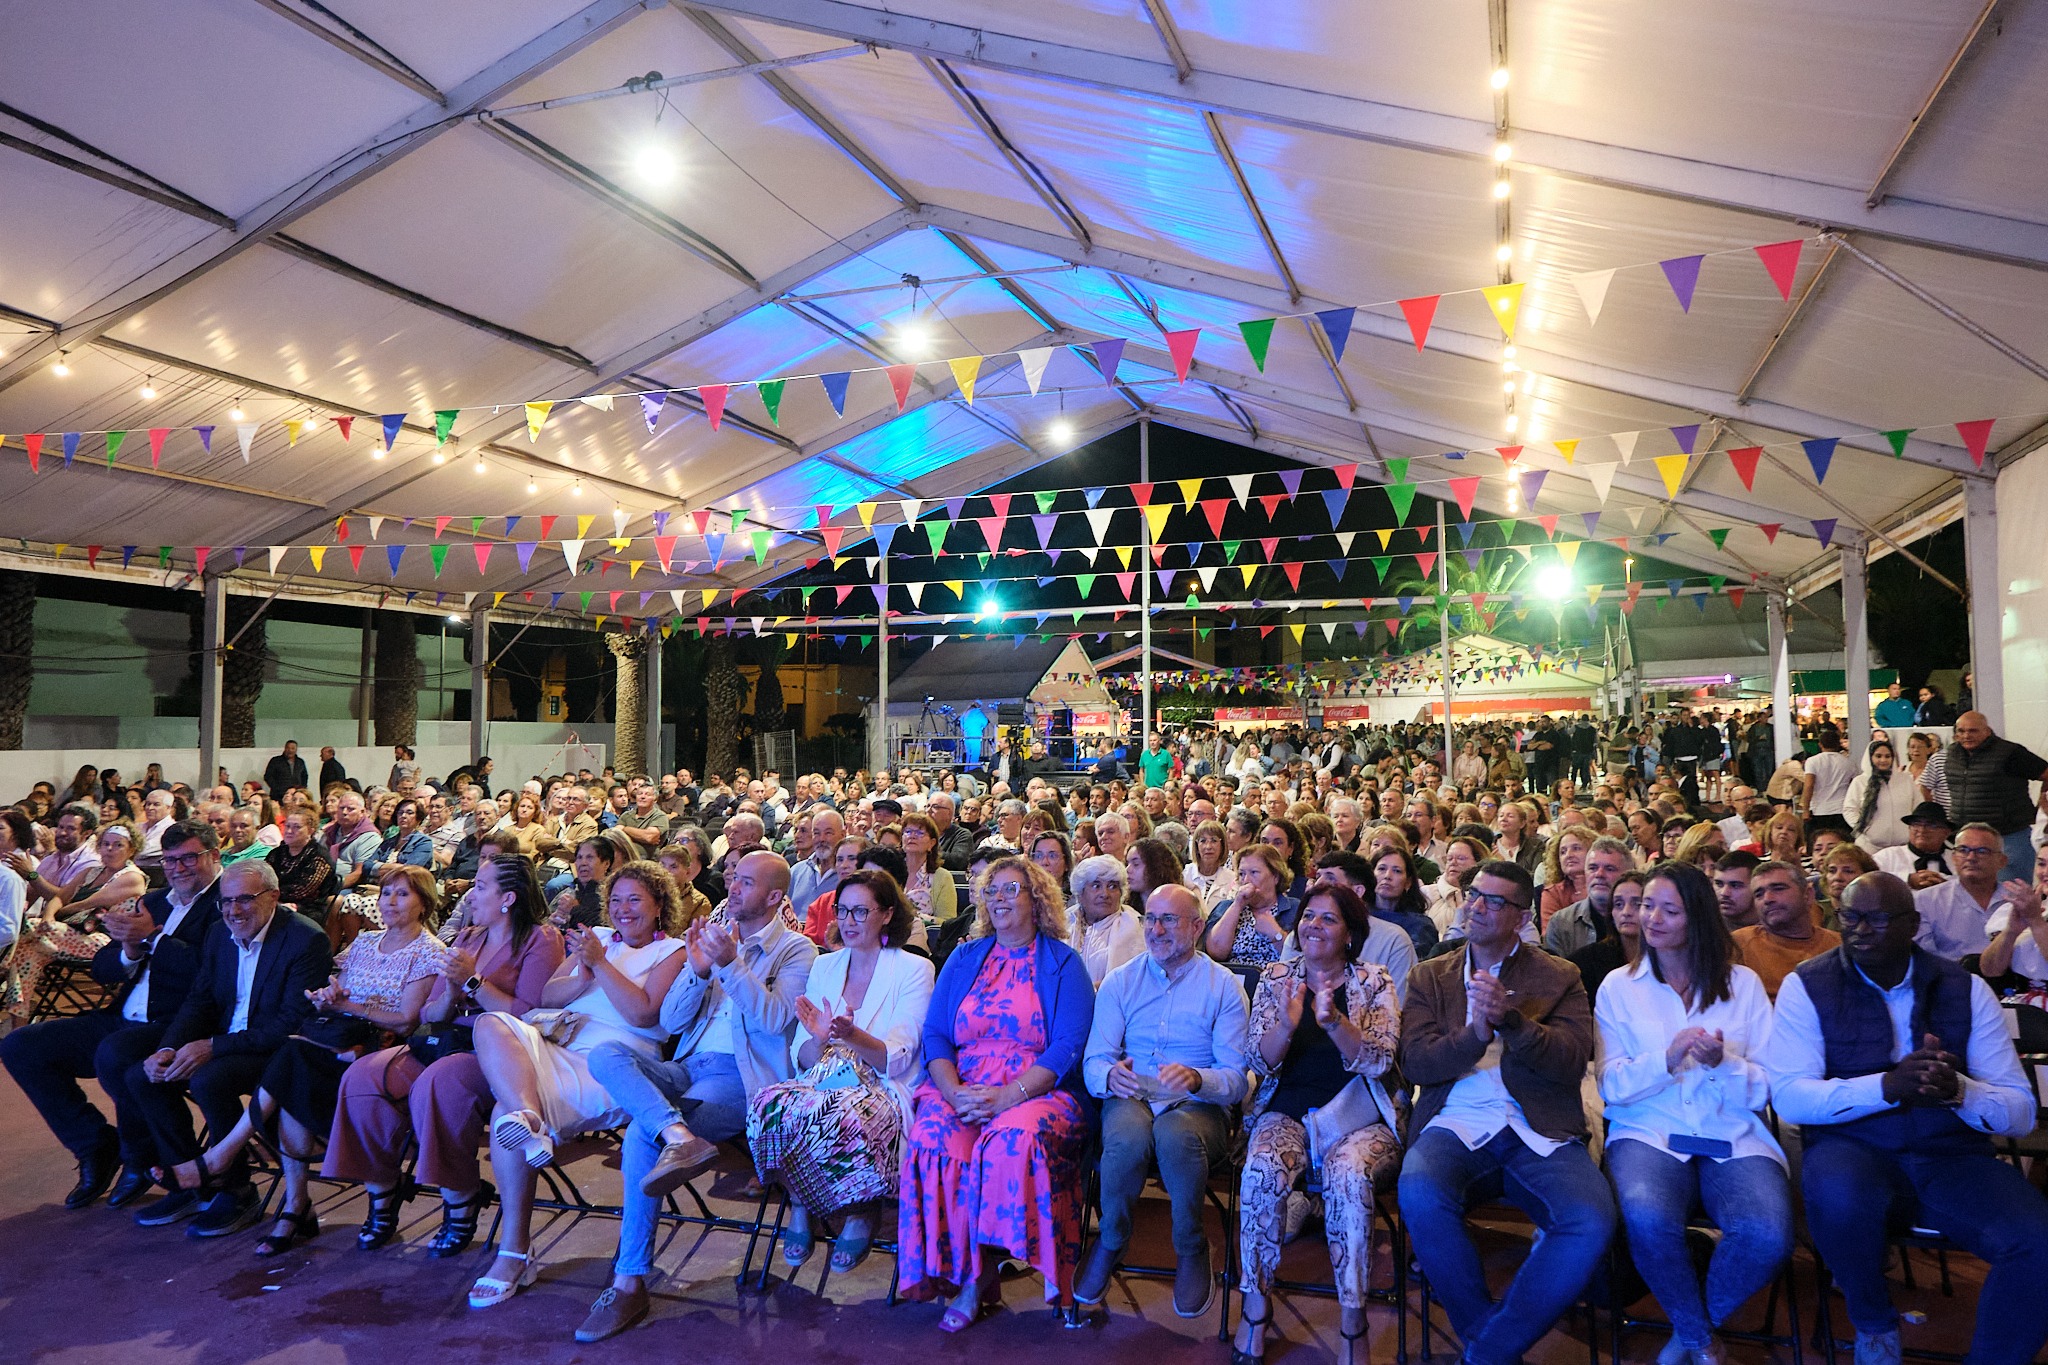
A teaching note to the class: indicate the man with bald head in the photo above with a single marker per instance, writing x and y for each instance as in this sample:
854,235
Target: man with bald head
1987,779
1166,1054
1896,1066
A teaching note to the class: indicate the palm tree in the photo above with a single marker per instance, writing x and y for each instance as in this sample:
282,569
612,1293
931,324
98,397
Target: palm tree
242,670
770,714
17,652
1496,575
724,692
395,694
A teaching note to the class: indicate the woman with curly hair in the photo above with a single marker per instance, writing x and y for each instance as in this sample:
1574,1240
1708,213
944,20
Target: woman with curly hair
992,1162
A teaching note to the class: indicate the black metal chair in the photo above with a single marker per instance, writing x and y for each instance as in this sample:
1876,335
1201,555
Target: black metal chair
67,987
1224,1202
1912,1239
1587,1303
1623,1280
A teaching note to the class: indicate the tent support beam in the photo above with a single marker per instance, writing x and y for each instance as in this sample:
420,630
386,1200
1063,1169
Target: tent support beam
1878,187
1980,561
1856,649
1959,318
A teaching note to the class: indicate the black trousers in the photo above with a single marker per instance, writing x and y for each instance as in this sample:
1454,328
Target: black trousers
49,1059
217,1088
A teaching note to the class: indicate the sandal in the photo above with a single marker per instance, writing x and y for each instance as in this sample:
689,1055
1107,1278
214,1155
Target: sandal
303,1227
850,1249
1238,1357
959,1320
797,1245
514,1132
490,1291
458,1223
380,1224
1350,1357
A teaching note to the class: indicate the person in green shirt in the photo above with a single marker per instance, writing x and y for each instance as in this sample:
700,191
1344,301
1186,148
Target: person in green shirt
1156,763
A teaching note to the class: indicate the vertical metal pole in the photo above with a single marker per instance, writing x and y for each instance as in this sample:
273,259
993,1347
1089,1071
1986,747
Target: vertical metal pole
650,678
1987,634
1783,736
1145,591
364,689
1443,630
878,742
479,683
1856,647
213,601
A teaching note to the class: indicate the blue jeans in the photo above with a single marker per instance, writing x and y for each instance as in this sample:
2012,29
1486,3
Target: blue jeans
1188,1139
557,885
703,1092
2019,857
1856,1194
1750,1200
1565,1195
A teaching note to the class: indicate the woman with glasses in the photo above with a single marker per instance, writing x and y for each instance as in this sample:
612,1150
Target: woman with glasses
1677,1034
832,1135
1252,927
1210,875
992,1162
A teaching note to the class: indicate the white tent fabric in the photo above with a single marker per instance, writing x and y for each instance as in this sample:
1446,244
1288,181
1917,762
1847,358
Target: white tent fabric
296,209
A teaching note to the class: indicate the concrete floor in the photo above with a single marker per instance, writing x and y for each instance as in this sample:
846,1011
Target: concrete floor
90,1286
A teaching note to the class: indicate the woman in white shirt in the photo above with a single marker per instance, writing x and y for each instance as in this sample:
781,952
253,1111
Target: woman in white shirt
1106,933
1677,1032
1209,875
833,1134
1880,798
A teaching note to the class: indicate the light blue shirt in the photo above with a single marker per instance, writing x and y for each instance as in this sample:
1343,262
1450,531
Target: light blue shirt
1196,1018
807,883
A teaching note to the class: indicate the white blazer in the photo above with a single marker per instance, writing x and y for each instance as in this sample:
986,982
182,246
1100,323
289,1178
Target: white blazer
893,1011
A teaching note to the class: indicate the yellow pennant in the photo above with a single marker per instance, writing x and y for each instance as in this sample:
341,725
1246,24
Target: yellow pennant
1505,300
1297,632
1566,449
1247,570
867,514
965,370
536,418
1568,551
292,427
583,526
1123,552
57,550
958,587
1384,536
710,595
1155,517
497,599
1672,469
1189,490
318,552
633,566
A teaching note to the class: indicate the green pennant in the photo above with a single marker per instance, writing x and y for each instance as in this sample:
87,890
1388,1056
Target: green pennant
1898,440
1397,469
1046,500
1230,549
114,439
1441,600
1381,564
771,398
163,556
1719,535
444,422
1086,582
1716,582
807,598
1077,617
586,600
476,526
984,559
761,539
739,514
1402,495
1193,602
438,552
1258,337
935,532
1202,632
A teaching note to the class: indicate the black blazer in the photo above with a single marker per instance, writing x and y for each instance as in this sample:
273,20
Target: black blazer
295,959
172,960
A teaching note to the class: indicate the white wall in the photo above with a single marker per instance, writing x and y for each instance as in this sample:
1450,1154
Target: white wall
2023,581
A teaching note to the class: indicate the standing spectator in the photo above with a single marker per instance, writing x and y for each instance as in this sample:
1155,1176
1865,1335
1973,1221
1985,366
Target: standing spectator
404,768
1880,799
331,771
1826,789
1988,780
1895,712
284,771
1155,764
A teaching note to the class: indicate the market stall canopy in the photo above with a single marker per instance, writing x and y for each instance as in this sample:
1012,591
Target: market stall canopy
963,673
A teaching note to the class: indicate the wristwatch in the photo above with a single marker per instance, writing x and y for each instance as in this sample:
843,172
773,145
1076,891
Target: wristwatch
472,986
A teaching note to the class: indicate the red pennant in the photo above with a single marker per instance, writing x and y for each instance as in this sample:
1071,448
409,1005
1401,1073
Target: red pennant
156,445
701,519
34,442
831,535
1736,595
1213,509
1781,259
199,557
547,525
1976,435
1292,568
1508,454
341,529
355,558
713,398
440,525
1158,556
1181,346
664,549
1770,530
1744,461
1549,525
1143,493
92,556
991,531
1465,490
1426,561
1420,313
1271,502
347,425
1264,631
1635,590
999,504
899,380
1346,474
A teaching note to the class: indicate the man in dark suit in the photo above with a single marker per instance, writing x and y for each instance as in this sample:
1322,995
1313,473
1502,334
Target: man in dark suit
149,968
248,996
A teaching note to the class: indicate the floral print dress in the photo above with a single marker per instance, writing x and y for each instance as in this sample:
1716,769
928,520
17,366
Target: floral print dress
1012,1184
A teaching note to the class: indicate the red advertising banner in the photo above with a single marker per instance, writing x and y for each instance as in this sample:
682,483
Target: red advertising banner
1240,715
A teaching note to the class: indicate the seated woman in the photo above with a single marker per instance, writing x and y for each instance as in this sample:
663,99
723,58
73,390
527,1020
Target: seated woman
1564,866
1605,956
380,983
608,989
992,1162
1104,927
1446,895
305,874
683,861
1684,1101
1282,834
1253,924
1324,1028
431,1090
1397,898
581,905
1210,875
1051,851
833,1135
69,931
930,888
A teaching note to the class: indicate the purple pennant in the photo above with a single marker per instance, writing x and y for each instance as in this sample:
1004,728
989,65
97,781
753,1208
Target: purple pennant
953,506
205,438
1290,479
1109,353
879,592
1337,327
1686,436
1166,580
525,549
1472,557
660,525
1360,627
70,447
394,553
392,421
1684,274
1824,532
1042,523
1532,482
1820,454
241,553
835,389
1334,499
650,407
1592,520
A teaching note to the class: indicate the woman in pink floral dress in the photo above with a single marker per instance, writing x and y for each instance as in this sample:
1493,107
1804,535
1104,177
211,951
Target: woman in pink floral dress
992,1163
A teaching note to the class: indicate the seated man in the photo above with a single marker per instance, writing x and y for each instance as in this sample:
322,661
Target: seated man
1166,1055
1896,1066
1585,922
248,996
1497,1035
1923,860
733,1011
1954,913
149,967
1786,932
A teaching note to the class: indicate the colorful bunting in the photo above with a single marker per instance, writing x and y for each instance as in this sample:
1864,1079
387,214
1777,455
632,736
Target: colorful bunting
1683,274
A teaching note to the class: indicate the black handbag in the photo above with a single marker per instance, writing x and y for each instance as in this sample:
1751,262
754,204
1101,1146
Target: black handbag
434,1041
341,1033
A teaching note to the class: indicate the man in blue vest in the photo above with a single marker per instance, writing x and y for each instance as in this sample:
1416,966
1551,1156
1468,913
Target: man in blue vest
1896,1066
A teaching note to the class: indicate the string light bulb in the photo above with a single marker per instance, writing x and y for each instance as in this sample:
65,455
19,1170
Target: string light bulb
576,489
1508,385
440,457
1503,150
531,485
1500,78
1500,188
1060,430
148,389
1504,253
1512,423
60,366
479,462
235,413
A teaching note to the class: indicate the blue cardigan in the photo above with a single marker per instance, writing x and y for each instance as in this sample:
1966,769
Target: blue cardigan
1064,992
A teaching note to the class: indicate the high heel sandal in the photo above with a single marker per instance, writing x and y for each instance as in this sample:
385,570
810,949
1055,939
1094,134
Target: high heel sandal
380,1224
985,1302
1357,1357
458,1223
304,1228
1238,1357
490,1291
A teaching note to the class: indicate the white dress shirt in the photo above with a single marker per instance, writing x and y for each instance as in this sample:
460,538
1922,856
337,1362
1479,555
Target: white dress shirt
1995,1096
1480,1105
247,958
136,1008
2027,958
1638,1015
1952,924
1898,860
718,1030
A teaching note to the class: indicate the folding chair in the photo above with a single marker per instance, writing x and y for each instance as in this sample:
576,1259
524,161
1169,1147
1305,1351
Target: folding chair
1223,1202
1621,1279
1905,1243
67,987
1502,1208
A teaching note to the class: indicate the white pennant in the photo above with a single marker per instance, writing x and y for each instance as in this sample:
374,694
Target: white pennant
1601,476
601,401
468,598
376,525
916,591
1098,522
1625,442
757,620
873,562
1635,518
675,595
571,551
1329,631
1344,539
619,518
1034,361
1208,576
246,433
1089,553
1592,287
276,557
911,507
1241,487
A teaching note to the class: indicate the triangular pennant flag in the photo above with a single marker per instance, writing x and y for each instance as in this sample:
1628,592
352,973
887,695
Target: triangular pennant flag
1466,530
1898,441
1181,346
900,377
114,440
739,514
1601,476
1531,481
205,442
536,418
1683,273
1109,353
1402,496
1549,524
1568,551
1745,461
651,405
1381,564
770,391
713,397
601,401
1592,290
1735,595
444,422
1976,437
1098,522
1384,534
199,557
1686,436
1781,261
1820,453
991,531
965,370
583,524
572,550
1042,524
1334,500
276,557
835,389
761,540
1505,300
1508,454
483,550
244,434
1258,338
1032,362
1770,530
1592,521
439,554
347,424
1337,327
440,525
292,427
1271,503
1567,449
1188,489
316,553
935,533
1824,531
1155,517
1671,468
1420,312
1719,535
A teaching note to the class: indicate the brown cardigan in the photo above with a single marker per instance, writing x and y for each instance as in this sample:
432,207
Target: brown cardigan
1547,1038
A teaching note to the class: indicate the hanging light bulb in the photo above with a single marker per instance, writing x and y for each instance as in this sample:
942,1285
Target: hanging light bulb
576,489
1059,431
440,457
1512,422
1508,351
1500,188
1508,385
1503,150
1504,253
531,485
1500,78
479,462
654,164
235,413
148,389
60,367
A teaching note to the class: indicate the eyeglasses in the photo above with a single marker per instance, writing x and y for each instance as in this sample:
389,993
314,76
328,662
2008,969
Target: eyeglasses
183,862
1492,904
1163,921
1972,851
1007,890
242,902
1877,921
856,913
